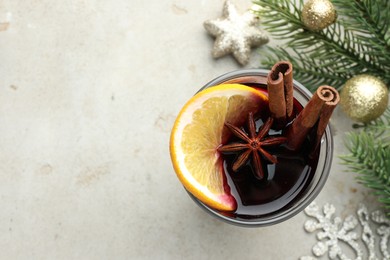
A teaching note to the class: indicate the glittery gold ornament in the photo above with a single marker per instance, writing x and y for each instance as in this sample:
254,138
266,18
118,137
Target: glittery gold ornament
235,33
318,14
364,98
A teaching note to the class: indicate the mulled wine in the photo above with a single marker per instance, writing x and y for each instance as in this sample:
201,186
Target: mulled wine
282,182
288,186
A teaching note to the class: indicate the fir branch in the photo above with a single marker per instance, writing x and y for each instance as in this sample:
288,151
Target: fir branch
370,24
369,159
357,43
369,153
303,70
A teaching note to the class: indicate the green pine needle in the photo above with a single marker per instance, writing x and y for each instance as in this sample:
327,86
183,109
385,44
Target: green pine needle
369,157
358,42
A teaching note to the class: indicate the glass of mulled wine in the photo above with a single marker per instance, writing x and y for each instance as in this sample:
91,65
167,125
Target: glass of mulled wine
291,185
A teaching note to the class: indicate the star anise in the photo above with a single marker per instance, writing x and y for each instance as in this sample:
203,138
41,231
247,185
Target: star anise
254,144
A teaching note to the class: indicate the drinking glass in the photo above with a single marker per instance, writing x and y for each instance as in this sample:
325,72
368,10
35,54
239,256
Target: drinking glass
312,189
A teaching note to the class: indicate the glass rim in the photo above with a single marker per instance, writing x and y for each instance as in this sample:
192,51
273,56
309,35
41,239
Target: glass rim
308,198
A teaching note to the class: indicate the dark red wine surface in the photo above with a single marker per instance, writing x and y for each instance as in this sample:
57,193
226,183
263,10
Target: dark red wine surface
283,182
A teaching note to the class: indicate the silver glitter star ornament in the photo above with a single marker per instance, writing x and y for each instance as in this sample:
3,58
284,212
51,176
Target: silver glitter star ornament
235,33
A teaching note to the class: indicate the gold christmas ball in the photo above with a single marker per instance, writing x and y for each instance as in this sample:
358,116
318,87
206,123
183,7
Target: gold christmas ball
318,14
364,98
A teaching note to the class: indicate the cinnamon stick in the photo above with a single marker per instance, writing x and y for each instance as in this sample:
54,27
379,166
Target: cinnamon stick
280,93
326,113
318,109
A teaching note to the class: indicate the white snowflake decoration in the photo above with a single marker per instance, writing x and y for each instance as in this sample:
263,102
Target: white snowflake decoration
334,234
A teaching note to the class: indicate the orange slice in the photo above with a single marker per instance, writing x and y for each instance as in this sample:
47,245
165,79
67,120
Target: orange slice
197,133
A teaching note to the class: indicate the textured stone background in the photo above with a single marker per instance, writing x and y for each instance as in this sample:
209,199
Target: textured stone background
89,91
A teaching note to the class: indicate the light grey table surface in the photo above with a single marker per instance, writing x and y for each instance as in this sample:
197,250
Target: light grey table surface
89,92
